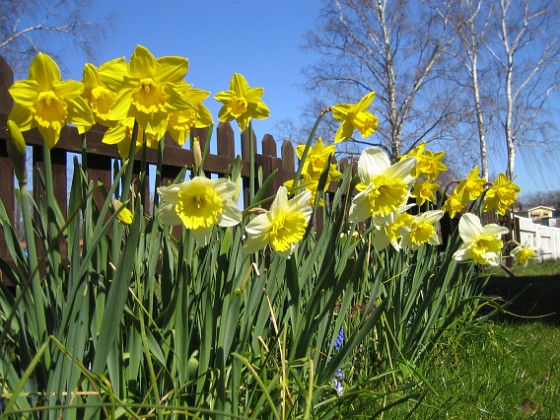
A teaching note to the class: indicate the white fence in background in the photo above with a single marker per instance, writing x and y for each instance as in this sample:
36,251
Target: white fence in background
543,239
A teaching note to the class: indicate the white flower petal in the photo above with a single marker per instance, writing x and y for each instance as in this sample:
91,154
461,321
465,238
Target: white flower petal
469,227
373,161
202,235
224,188
231,215
280,200
495,230
170,193
359,210
402,170
168,216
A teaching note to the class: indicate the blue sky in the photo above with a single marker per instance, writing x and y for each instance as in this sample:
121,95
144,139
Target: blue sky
259,39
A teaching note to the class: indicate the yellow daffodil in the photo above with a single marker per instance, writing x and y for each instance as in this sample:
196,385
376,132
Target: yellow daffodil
523,253
48,103
383,187
471,187
241,102
199,205
481,244
424,191
355,116
97,92
282,227
309,184
197,115
501,195
453,204
422,230
121,135
429,164
316,160
125,215
150,90
315,163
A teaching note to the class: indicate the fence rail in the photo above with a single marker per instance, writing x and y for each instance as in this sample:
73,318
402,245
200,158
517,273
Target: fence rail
544,239
100,157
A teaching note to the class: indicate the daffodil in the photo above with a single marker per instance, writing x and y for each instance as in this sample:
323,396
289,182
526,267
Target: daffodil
241,103
471,187
383,187
429,164
309,184
150,90
453,204
481,244
523,254
313,166
501,195
125,215
282,227
355,116
424,191
422,230
121,135
48,103
316,160
197,115
199,204
391,233
97,92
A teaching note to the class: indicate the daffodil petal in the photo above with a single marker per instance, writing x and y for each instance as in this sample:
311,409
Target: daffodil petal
373,161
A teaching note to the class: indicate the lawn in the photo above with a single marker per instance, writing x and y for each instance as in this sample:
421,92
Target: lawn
505,368
509,371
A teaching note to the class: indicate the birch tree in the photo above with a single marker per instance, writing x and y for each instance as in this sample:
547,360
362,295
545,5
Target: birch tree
470,19
30,26
526,50
395,48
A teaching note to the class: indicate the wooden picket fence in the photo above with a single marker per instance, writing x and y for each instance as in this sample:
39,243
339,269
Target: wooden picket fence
100,157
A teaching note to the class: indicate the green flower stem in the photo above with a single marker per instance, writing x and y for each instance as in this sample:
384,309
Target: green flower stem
142,175
251,163
146,346
306,150
35,280
161,148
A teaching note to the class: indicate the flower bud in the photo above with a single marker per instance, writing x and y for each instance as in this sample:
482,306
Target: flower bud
124,216
237,188
197,153
16,151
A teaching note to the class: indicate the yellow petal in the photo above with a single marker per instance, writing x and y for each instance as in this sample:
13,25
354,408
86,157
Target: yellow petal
172,69
25,92
45,71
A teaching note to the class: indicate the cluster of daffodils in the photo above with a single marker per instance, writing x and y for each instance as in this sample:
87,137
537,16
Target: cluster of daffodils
140,100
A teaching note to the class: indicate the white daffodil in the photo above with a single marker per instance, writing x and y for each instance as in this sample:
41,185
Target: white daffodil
199,204
391,234
282,227
421,229
523,253
383,187
481,244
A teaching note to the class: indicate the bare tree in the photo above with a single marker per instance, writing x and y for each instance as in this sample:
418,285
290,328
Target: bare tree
526,49
30,26
470,20
395,48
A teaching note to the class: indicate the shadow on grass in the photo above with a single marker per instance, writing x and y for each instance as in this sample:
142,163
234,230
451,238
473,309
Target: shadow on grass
526,298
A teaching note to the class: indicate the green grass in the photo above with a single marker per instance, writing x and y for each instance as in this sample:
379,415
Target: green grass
509,371
535,268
